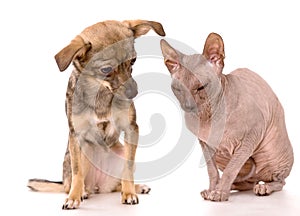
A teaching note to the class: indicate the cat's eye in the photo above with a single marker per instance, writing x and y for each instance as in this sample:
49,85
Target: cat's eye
201,87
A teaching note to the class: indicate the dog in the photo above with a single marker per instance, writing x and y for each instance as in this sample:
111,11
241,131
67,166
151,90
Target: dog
237,118
99,108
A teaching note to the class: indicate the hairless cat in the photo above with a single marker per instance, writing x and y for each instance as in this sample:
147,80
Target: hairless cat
237,118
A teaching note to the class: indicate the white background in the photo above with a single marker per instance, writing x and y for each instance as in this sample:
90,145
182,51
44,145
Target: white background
261,35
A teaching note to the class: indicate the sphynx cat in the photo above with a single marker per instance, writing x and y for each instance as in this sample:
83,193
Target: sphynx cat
237,118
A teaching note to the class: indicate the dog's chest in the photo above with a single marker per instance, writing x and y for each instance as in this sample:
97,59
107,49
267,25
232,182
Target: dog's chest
108,131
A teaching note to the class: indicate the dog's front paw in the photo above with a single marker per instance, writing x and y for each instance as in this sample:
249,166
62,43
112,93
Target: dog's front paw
218,195
129,198
71,204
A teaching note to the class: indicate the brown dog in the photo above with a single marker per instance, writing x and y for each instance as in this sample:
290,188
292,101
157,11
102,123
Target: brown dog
237,119
99,107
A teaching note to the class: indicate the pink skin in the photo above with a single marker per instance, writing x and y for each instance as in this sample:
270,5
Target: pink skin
237,118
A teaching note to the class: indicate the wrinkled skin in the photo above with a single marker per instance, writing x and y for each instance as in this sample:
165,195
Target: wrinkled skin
237,118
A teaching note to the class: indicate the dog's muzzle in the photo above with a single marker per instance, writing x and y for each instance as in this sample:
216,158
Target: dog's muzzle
130,88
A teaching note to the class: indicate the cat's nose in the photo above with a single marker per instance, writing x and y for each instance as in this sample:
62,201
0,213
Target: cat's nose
189,106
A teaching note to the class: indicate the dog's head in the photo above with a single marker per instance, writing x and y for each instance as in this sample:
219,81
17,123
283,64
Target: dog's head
106,52
196,78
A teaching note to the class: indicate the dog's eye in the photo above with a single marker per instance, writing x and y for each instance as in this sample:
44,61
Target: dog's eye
132,61
106,70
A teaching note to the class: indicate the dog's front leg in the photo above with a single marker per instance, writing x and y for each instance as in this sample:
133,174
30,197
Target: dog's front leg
128,189
212,169
77,185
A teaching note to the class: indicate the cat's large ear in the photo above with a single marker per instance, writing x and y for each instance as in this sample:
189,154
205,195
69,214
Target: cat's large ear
214,50
171,56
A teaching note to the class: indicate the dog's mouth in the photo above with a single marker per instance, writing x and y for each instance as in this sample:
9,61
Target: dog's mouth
127,91
131,93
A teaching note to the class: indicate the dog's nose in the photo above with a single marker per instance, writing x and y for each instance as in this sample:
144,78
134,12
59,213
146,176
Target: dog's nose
131,93
131,89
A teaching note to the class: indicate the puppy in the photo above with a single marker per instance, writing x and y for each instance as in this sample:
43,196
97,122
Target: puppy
237,118
99,107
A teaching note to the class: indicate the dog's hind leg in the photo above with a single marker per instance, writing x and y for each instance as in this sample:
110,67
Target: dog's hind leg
67,171
142,189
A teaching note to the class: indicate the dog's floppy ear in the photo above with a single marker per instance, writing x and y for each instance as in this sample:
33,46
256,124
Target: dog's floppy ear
171,56
77,48
141,27
214,50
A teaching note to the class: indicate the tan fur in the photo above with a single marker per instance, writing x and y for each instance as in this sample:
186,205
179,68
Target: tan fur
237,118
99,107
44,185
